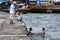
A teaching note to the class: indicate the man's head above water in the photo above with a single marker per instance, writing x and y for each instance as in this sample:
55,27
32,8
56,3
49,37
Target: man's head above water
30,29
43,29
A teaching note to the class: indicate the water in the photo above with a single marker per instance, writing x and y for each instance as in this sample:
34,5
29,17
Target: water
50,21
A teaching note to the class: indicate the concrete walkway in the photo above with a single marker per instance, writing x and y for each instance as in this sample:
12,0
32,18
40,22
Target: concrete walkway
9,31
19,28
13,37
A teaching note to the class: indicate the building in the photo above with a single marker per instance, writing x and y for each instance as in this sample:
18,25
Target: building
41,2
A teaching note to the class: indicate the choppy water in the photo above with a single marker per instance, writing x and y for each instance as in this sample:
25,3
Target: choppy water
50,21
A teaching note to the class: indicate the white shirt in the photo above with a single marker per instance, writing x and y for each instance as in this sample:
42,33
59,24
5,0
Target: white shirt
12,8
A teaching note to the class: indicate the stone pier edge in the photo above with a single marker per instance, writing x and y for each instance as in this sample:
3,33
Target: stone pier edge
12,35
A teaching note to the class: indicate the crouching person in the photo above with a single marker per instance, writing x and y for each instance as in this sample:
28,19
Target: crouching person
19,17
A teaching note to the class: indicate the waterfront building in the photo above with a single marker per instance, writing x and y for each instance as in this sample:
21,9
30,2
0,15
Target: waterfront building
42,2
37,2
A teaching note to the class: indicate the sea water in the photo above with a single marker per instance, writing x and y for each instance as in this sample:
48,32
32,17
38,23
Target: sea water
51,22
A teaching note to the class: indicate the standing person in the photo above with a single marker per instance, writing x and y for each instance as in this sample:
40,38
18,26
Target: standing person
12,12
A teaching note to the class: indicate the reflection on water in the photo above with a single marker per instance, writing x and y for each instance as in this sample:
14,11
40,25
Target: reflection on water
50,21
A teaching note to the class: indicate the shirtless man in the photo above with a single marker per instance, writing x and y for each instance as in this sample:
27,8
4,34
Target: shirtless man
43,31
30,31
